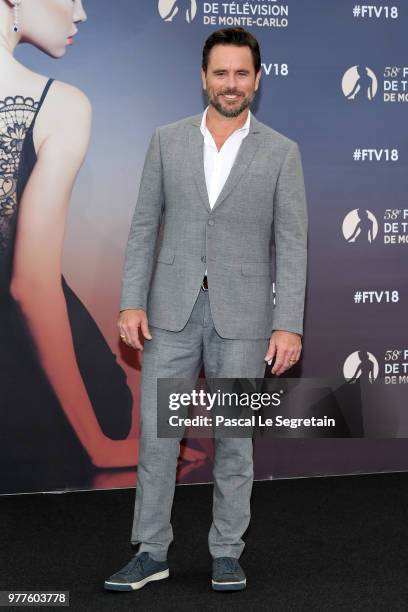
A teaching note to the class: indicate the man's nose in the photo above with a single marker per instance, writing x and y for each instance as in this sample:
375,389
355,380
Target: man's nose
231,81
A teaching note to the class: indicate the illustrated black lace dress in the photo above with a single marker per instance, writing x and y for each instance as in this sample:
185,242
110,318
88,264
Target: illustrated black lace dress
39,450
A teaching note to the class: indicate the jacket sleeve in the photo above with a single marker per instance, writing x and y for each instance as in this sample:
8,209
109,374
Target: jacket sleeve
144,229
291,225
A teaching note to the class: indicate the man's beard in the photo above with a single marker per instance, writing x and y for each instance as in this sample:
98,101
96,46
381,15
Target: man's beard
226,112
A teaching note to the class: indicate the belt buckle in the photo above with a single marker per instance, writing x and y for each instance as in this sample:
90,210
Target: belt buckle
204,283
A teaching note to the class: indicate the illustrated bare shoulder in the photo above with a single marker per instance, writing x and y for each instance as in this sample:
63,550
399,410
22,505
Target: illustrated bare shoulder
67,112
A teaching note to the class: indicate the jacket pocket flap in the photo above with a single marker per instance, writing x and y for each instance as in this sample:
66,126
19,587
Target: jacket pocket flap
263,268
166,255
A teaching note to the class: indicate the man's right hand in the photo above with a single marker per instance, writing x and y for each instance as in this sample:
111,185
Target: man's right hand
129,322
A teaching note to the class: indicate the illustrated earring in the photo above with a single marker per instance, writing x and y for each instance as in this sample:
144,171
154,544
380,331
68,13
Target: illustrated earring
16,25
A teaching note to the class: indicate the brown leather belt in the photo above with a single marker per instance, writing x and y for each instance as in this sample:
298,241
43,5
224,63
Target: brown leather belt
204,284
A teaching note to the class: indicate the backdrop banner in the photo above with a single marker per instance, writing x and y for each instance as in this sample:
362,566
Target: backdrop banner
335,80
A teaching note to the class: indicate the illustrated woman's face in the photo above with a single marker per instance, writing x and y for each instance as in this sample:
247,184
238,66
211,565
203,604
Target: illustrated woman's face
51,25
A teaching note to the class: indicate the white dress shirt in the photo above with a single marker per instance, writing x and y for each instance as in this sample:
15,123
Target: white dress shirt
218,164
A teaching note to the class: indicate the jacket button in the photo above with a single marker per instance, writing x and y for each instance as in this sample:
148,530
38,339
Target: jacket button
203,258
211,221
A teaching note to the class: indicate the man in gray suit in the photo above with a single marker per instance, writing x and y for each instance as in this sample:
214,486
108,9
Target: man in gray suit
216,189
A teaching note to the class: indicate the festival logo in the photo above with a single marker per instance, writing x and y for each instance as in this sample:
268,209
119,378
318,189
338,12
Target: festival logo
360,225
359,82
171,10
360,364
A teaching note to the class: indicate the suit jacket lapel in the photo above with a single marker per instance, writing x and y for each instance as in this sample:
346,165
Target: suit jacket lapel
196,152
244,157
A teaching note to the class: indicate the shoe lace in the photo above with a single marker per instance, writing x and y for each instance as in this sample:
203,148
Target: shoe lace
135,562
226,565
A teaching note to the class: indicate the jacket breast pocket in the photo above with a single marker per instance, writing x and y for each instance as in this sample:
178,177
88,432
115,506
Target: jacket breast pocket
263,268
166,255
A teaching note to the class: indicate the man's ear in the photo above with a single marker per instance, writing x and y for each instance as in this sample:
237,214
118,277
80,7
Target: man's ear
257,79
203,79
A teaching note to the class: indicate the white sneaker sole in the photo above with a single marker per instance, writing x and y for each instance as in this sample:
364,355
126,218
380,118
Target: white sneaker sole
134,586
228,586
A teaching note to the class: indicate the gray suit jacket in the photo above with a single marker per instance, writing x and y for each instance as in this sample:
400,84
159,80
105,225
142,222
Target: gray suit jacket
175,235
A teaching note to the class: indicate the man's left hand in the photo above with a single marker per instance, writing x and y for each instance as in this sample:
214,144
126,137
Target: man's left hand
286,347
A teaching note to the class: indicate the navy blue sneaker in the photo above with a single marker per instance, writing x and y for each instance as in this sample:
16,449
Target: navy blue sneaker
227,575
139,571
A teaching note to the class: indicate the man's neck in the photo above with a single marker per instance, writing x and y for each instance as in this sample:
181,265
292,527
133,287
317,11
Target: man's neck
218,124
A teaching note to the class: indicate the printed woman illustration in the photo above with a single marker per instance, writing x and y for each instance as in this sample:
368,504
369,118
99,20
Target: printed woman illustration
64,400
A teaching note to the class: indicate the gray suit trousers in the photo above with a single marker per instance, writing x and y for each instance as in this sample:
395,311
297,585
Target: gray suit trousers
181,354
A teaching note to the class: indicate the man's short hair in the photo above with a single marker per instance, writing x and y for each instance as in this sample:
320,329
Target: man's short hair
232,36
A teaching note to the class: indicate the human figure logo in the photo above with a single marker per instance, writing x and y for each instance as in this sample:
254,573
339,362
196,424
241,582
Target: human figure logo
359,82
360,225
360,364
173,10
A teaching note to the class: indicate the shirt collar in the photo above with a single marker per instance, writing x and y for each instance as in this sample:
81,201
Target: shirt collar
244,128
